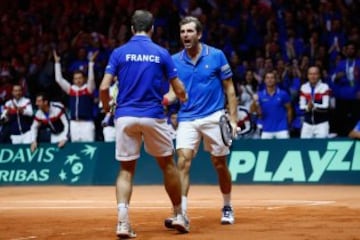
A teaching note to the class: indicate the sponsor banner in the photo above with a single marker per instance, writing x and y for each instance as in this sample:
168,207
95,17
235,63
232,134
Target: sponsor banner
294,161
73,164
330,161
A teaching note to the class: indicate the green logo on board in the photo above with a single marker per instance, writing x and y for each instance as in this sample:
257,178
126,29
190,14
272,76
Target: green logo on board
74,164
290,166
45,164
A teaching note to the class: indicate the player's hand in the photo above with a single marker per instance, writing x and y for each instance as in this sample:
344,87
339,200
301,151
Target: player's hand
56,56
106,121
165,101
235,129
184,99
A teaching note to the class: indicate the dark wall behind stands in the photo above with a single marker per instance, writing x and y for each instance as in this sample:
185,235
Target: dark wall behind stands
294,161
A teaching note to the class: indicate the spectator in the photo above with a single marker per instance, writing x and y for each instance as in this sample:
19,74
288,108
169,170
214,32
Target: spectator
82,127
44,76
80,63
294,82
239,68
18,113
314,32
315,101
273,106
50,115
335,39
4,130
247,89
5,85
347,91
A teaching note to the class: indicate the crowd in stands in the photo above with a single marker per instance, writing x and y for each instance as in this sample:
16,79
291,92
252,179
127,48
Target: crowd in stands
257,36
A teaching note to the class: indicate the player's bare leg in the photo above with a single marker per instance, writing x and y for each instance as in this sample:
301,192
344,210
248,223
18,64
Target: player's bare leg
224,176
184,163
171,179
124,187
173,188
224,179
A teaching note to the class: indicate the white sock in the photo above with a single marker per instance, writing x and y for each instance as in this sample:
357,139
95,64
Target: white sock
177,209
184,204
227,199
123,215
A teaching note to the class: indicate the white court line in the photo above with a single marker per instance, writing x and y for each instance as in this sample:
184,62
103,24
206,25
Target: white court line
57,201
24,238
86,204
252,201
87,207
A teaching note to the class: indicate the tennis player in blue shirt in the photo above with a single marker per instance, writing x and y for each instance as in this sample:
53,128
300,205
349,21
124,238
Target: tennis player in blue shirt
207,76
144,71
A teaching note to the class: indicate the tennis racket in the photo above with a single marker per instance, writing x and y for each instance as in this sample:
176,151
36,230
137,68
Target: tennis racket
226,130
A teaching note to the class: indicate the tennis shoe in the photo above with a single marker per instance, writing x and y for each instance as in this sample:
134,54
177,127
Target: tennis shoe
168,222
227,215
181,223
124,230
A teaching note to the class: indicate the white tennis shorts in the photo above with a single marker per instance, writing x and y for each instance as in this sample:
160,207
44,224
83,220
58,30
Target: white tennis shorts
190,133
132,131
109,134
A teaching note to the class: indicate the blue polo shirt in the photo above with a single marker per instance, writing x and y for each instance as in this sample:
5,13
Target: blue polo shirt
203,82
144,70
274,114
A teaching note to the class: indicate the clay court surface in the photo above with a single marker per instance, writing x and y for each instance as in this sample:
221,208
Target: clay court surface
262,212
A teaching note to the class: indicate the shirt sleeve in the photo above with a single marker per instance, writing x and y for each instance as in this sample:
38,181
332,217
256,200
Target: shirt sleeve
65,86
34,130
286,97
28,111
91,78
170,69
325,101
302,100
64,134
225,69
111,67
